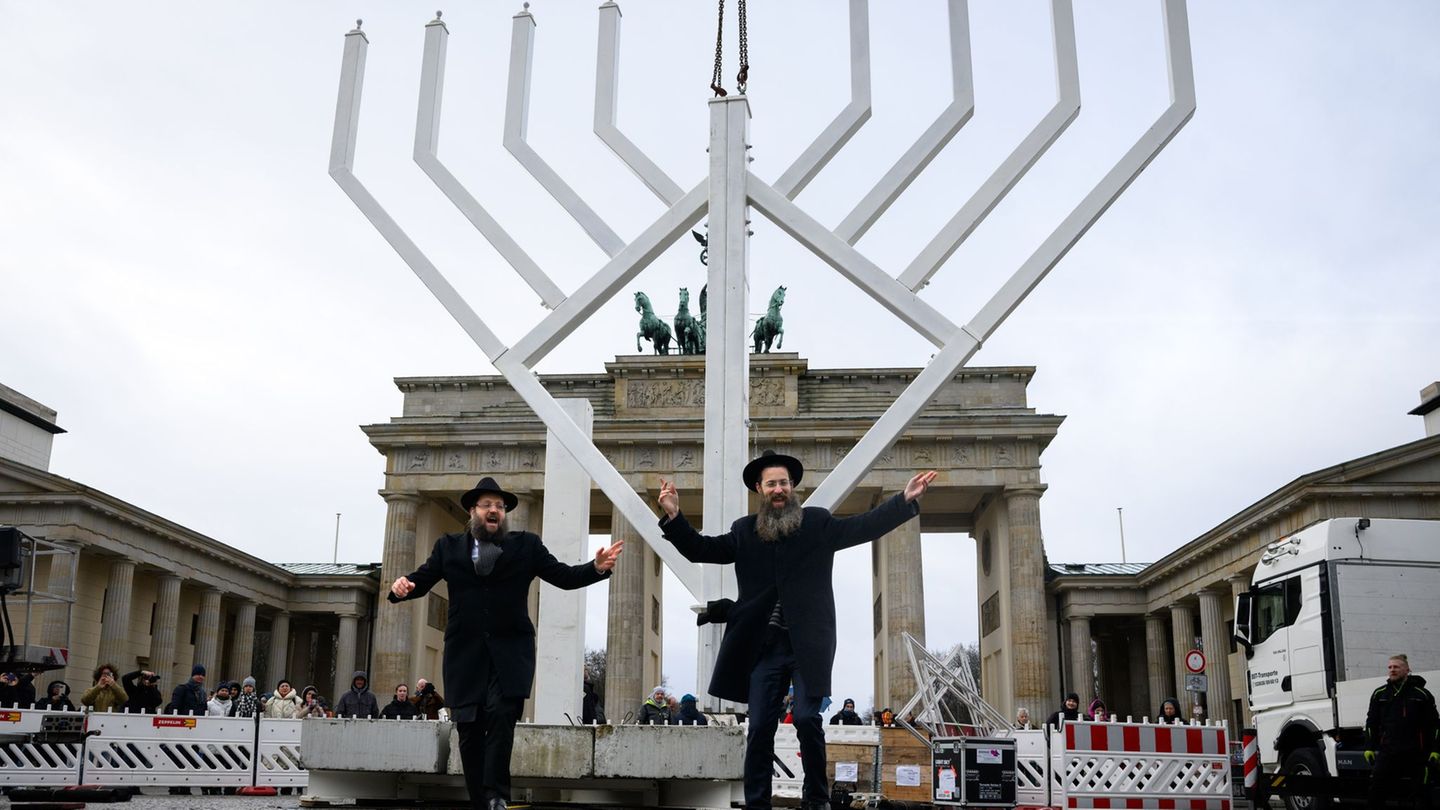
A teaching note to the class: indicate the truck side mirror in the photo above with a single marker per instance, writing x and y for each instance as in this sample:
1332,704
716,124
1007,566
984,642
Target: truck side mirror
1242,623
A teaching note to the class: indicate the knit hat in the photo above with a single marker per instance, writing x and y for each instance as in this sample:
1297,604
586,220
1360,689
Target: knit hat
1072,696
198,669
249,681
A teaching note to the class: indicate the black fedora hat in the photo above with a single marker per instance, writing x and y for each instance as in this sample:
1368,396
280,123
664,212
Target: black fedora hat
487,484
768,459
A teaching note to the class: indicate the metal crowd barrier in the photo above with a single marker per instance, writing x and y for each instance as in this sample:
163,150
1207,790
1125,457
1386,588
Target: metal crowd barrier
165,750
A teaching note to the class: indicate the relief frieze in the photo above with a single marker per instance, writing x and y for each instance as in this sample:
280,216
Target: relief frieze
690,393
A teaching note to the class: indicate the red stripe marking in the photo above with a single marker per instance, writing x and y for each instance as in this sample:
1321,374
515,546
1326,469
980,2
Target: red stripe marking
1163,738
1167,804
1099,739
1102,803
1134,804
1131,735
1194,743
1070,739
1074,802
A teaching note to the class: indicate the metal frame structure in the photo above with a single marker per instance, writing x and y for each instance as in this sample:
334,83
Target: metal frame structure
725,195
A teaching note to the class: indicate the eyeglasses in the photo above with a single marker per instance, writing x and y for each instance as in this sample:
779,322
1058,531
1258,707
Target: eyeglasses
486,506
779,482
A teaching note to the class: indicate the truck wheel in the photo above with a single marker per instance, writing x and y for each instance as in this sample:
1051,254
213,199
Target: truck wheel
1306,762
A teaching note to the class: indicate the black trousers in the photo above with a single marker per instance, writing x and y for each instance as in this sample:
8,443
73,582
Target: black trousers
487,737
1390,768
769,681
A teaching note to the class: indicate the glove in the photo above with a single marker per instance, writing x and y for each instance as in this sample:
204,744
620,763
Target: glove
1370,757
1435,759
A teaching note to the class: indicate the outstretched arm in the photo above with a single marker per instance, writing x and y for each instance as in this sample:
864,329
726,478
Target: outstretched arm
863,528
691,544
419,582
570,577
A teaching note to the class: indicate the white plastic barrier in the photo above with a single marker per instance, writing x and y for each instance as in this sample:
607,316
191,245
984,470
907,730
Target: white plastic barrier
151,749
1146,765
278,763
30,763
1032,767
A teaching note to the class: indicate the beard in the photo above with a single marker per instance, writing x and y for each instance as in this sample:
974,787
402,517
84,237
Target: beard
480,530
774,523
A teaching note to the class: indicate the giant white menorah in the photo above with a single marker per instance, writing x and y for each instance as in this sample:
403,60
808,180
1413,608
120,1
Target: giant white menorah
724,196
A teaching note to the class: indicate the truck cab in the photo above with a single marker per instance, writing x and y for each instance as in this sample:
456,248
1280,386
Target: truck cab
1326,608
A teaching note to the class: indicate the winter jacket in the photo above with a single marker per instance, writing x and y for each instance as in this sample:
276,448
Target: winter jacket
846,717
398,709
1179,717
359,701
654,714
689,714
1402,718
22,694
317,709
188,698
285,708
142,698
109,698
218,708
591,709
429,703
57,704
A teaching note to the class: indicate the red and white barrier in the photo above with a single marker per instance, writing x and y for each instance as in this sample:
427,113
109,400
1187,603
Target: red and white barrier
1146,765
1251,755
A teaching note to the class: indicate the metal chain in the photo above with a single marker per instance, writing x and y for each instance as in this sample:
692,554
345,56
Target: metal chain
744,73
719,42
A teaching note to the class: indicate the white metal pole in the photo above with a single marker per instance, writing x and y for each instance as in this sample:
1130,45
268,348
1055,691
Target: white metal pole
1120,515
727,356
335,555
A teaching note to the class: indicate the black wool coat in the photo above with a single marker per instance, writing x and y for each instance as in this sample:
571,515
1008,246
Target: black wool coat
797,572
491,612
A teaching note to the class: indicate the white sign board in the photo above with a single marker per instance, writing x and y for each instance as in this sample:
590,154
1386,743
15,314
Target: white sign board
847,772
1196,683
907,775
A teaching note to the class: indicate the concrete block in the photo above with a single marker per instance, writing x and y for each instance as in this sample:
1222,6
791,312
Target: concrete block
391,746
670,752
553,752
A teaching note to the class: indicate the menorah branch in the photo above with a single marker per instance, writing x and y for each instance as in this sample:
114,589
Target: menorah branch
848,122
517,114
1017,163
931,141
607,97
427,144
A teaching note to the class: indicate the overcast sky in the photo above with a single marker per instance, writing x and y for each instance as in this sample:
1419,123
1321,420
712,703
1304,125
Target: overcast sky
213,319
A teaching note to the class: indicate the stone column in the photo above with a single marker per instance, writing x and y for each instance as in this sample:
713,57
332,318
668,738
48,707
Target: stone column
207,636
625,633
115,621
302,669
56,629
1030,661
167,621
279,646
1082,660
1157,655
1182,630
345,659
1217,654
904,606
395,624
242,645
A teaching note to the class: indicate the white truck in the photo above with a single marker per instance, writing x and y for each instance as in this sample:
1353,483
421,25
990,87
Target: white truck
1326,608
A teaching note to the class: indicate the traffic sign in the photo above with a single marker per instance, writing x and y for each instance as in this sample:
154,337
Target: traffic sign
1196,683
1195,661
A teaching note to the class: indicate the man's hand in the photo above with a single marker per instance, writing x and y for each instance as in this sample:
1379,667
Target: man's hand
918,485
402,587
1370,757
1435,759
669,499
605,557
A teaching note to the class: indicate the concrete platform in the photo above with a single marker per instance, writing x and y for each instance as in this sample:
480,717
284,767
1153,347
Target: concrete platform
644,766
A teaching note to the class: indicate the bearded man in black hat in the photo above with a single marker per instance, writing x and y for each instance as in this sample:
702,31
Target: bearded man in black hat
782,627
489,638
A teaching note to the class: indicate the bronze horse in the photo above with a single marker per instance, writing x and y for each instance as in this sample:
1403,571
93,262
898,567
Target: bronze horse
651,328
688,337
771,327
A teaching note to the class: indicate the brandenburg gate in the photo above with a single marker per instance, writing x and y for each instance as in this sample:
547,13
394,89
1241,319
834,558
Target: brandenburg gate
648,419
